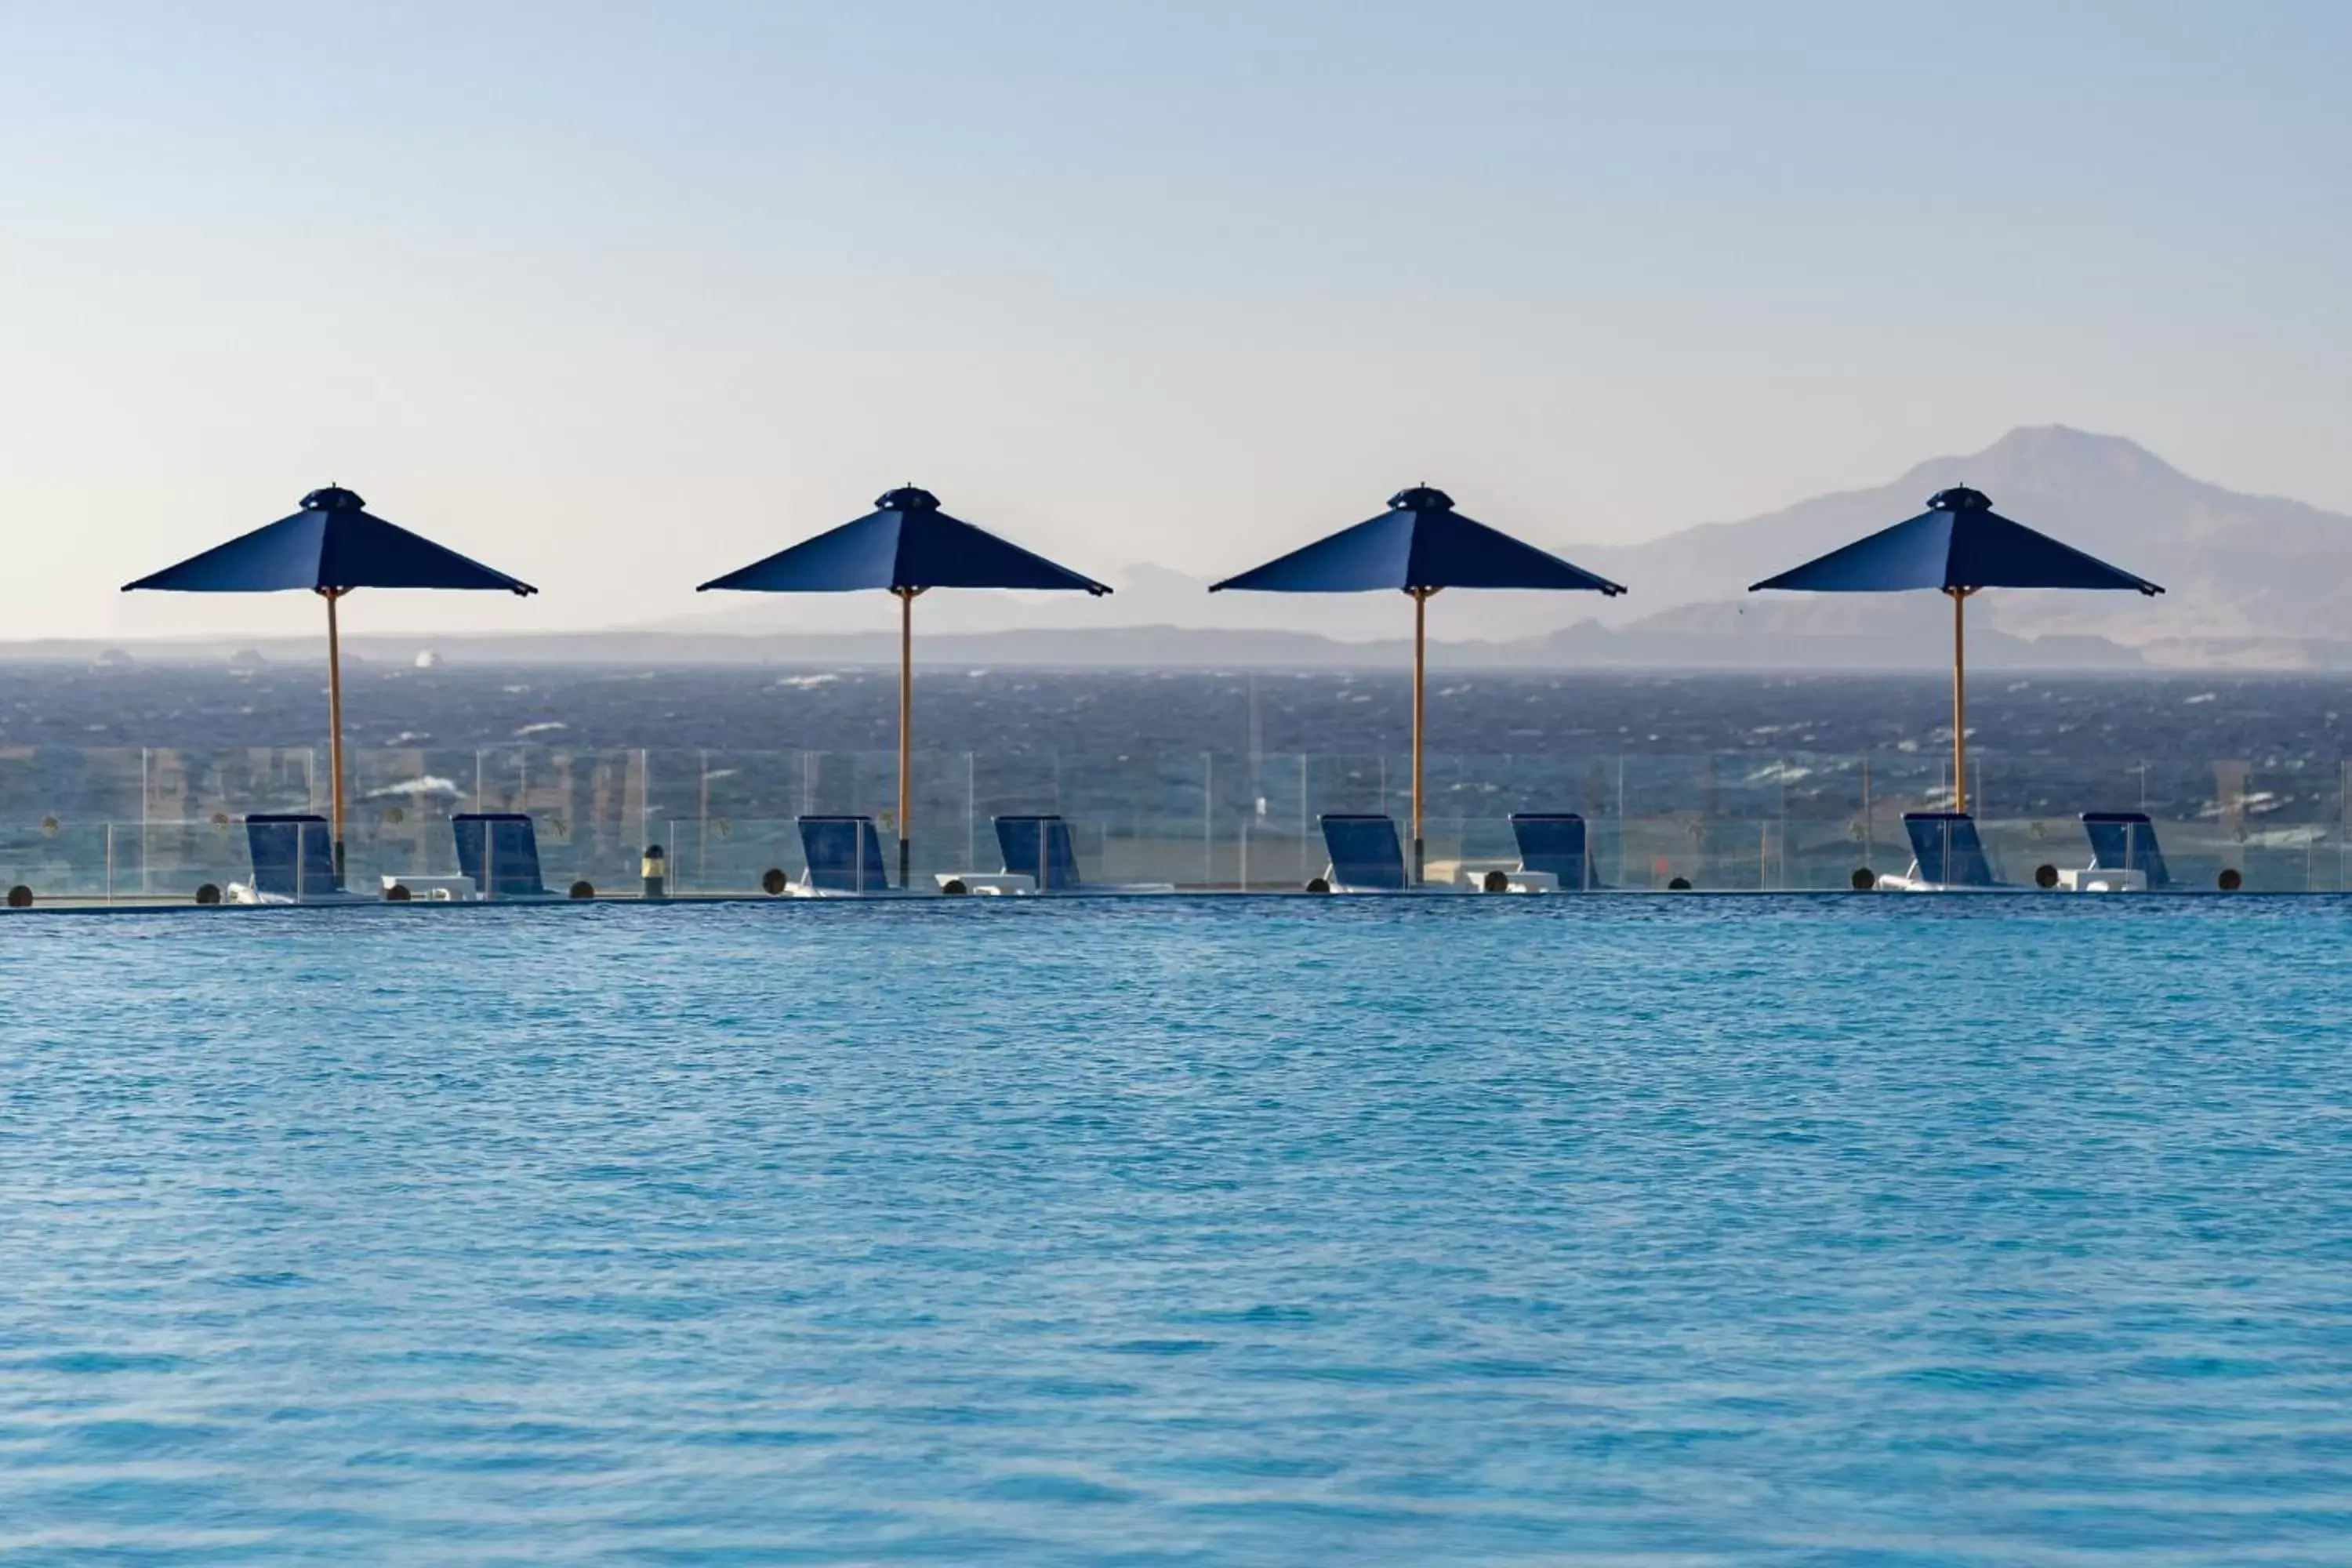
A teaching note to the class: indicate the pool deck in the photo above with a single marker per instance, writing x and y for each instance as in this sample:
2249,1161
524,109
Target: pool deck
186,904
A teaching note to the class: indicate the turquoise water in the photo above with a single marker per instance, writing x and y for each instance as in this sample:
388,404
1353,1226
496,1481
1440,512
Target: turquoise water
1865,1231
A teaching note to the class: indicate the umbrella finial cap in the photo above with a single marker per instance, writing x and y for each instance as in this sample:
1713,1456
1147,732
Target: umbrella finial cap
907,498
334,497
1421,497
1959,498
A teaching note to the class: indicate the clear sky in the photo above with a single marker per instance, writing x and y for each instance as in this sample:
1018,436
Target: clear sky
618,297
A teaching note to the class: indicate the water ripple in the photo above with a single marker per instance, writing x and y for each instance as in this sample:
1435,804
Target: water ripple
1180,1232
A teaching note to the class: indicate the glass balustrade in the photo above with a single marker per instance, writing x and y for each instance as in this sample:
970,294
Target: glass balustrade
132,824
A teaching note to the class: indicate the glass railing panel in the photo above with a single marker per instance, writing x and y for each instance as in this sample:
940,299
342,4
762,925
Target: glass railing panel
57,860
2283,816
151,861
736,854
193,784
160,823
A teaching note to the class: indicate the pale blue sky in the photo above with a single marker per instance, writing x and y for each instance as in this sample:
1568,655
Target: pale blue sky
617,297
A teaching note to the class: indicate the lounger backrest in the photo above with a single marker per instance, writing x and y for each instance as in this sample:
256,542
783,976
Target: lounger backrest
845,856
1364,851
499,849
2126,841
293,853
1039,847
1552,841
1946,844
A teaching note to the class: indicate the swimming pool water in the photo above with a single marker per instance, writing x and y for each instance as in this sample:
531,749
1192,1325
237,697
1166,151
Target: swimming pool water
1842,1232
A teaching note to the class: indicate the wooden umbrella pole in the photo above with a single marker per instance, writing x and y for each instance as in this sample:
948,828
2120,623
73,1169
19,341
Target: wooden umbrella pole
335,724
1959,698
1419,673
906,723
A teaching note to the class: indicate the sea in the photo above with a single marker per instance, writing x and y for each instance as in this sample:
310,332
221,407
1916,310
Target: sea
1126,711
133,776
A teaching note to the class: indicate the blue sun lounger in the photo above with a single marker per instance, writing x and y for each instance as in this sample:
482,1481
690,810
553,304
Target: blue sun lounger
1041,849
844,858
1947,856
1553,857
293,861
499,850
2121,841
1365,854
1040,856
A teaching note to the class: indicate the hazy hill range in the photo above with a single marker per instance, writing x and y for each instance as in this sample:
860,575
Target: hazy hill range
2242,574
2253,583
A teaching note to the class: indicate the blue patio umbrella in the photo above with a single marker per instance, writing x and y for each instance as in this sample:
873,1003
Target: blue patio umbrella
1420,545
1958,546
909,546
330,547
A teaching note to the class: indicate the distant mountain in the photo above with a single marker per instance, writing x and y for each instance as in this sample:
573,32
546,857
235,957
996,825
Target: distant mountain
2234,566
2251,580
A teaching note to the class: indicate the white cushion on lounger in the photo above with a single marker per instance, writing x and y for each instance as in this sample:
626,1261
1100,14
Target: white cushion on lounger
991,883
2096,879
433,889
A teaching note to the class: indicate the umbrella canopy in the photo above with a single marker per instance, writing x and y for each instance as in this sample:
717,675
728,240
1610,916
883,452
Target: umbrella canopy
331,546
1959,545
909,546
1419,546
906,544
